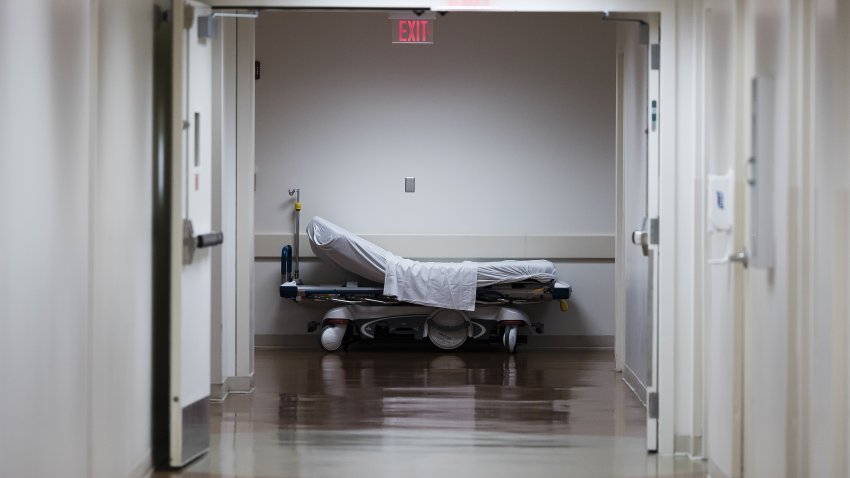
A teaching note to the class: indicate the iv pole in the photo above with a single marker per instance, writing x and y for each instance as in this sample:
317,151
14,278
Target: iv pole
297,193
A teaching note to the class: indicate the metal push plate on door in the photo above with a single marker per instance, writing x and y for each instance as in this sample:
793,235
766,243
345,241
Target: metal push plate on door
192,242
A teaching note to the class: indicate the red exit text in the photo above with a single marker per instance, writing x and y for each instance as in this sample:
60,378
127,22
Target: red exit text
413,31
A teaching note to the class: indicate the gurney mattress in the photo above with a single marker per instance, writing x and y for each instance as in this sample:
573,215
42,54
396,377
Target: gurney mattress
349,251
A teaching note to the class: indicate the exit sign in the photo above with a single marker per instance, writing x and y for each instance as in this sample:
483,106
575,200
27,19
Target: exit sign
413,29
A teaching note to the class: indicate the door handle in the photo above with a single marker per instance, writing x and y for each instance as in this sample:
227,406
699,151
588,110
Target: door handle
741,257
191,242
641,238
209,239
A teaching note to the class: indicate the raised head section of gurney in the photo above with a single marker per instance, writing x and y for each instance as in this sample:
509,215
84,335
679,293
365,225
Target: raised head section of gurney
349,251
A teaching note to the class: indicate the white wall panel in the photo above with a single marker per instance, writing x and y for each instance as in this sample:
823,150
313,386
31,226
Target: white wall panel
689,62
44,212
722,356
224,202
75,208
121,241
828,387
245,198
768,324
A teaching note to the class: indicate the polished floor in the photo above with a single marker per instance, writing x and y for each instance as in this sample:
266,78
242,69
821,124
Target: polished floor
424,413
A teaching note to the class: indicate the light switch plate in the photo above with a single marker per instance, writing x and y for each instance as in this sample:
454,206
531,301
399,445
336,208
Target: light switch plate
409,184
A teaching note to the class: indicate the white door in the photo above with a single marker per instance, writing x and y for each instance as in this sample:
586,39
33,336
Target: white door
638,134
191,259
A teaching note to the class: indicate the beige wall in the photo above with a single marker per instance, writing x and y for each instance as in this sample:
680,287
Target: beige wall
505,134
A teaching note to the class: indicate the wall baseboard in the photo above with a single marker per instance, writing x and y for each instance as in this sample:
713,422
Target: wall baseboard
691,446
714,470
241,384
538,342
634,383
144,468
604,342
446,246
300,341
220,391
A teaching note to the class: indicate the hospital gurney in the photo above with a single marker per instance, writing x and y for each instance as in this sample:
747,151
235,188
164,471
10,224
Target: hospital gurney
447,303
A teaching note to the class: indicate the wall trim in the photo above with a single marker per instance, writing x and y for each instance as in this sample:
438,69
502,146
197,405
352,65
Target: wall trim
538,342
450,246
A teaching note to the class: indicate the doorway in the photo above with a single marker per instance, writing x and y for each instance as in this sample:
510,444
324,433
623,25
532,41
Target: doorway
661,233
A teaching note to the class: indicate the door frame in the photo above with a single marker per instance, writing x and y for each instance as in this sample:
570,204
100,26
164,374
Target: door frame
161,274
620,222
668,190
641,56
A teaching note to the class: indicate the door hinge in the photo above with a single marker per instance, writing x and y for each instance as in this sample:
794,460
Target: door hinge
188,16
652,404
655,52
653,231
256,70
161,16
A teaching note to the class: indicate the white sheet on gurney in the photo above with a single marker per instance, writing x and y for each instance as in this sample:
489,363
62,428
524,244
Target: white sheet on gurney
450,285
351,252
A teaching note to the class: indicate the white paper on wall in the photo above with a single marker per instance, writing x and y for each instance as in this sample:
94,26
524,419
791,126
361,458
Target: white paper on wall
721,202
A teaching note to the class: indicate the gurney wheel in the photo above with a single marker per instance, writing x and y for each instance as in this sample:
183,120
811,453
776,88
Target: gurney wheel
332,336
448,329
509,339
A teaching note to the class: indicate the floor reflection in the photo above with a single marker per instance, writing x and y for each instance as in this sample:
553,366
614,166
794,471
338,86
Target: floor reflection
529,392
416,413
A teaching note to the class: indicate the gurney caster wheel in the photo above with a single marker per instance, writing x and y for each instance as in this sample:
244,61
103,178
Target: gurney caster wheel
509,339
331,337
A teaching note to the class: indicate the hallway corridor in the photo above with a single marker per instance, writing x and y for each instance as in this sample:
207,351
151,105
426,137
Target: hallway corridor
412,413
